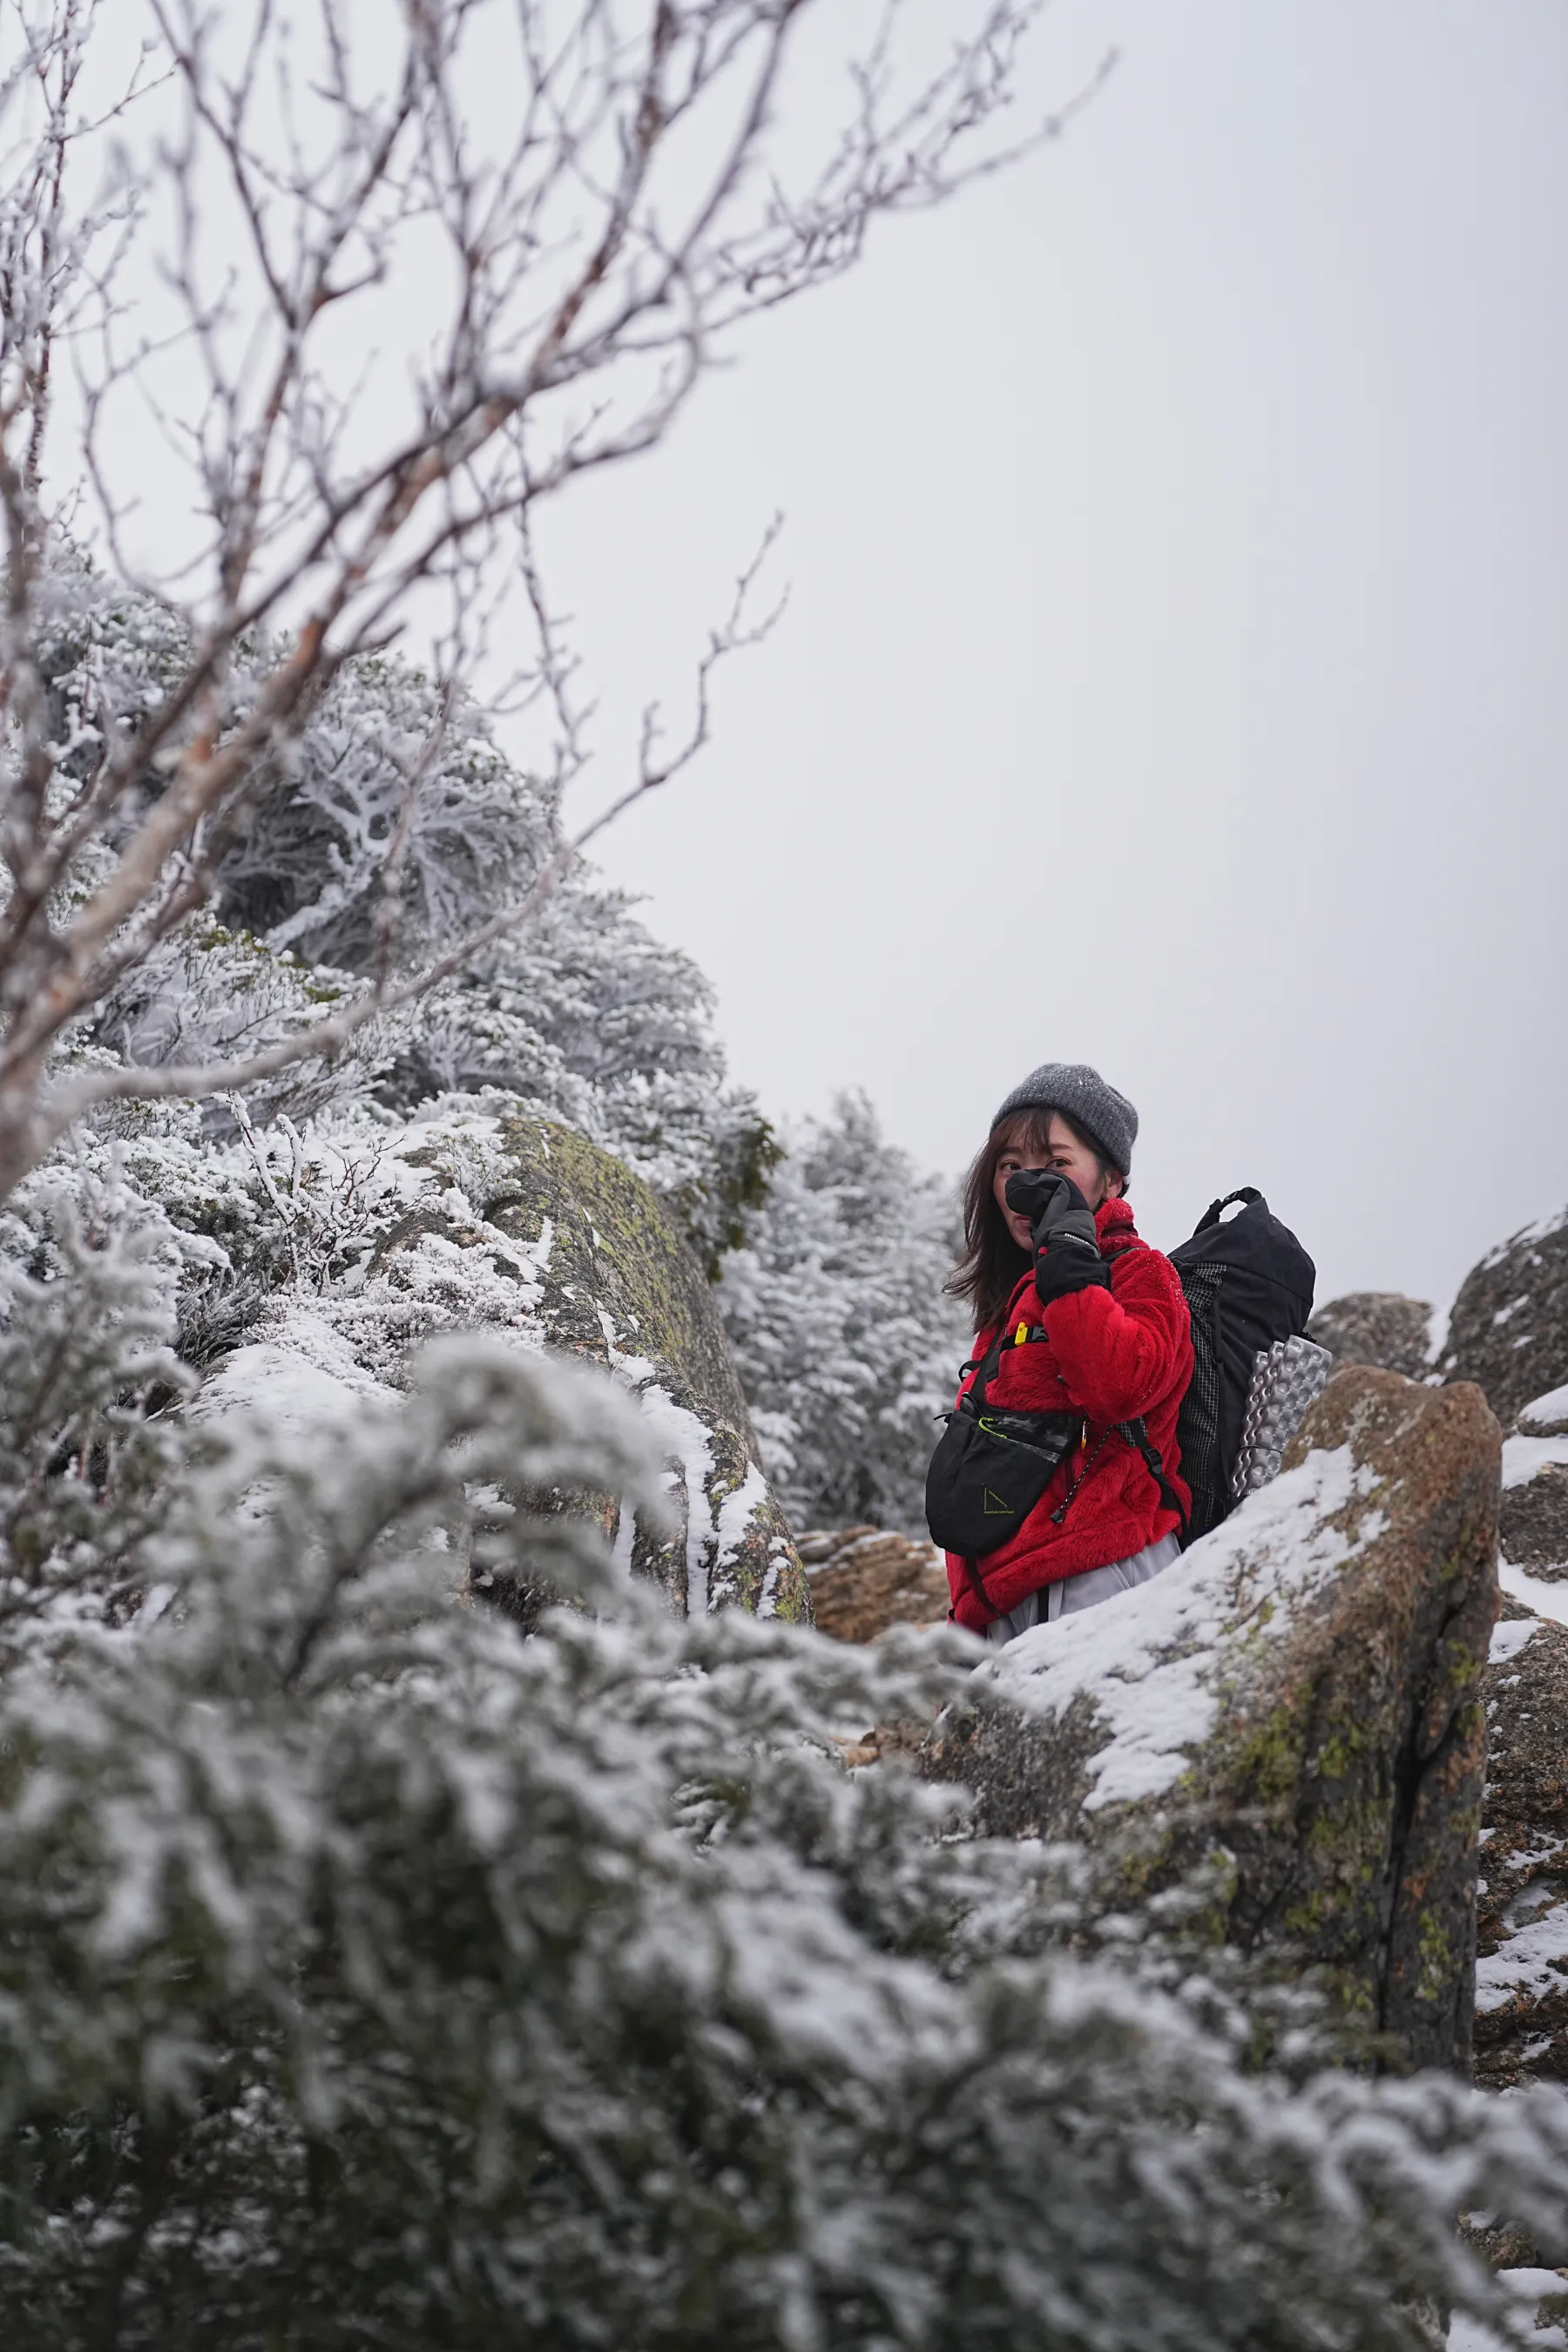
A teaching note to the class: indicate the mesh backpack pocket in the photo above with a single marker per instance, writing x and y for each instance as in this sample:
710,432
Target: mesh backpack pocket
1287,1377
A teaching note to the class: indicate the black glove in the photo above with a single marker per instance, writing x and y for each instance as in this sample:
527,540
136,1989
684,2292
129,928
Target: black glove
1061,1226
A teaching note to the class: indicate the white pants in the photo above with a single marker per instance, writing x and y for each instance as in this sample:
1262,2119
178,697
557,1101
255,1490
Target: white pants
1083,1591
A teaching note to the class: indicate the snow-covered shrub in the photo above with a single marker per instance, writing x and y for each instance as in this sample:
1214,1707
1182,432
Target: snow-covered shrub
835,1307
579,1010
87,1293
283,1221
200,1205
584,1014
208,994
371,1974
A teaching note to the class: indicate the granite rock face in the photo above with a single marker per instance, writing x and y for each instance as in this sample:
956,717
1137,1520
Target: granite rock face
1375,1326
864,1579
1522,1976
1288,1724
1509,1331
620,1287
1534,1526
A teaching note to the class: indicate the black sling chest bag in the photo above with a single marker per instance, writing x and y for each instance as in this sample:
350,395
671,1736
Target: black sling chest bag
991,1466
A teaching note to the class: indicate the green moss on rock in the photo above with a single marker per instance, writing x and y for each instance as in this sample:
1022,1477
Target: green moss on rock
620,1287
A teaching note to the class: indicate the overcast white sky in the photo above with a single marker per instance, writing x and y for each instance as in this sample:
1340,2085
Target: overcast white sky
1174,675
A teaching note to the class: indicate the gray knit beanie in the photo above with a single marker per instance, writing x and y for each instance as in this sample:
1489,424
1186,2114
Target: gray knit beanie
1106,1117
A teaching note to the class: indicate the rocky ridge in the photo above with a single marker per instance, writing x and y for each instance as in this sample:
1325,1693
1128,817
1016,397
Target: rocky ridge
1509,1334
1376,1327
1508,1329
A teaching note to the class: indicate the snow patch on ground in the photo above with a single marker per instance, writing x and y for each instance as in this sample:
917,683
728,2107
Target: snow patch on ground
1533,1960
1538,1416
1472,2335
1523,1457
1508,1637
1531,2287
1537,1593
1147,1657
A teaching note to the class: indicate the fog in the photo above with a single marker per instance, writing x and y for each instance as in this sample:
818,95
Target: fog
1173,677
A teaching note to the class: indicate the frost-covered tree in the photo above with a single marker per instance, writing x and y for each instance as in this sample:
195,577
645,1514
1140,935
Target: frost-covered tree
847,1343
314,868
373,1974
581,1012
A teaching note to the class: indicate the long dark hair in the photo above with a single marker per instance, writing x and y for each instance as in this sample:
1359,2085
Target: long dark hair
993,1264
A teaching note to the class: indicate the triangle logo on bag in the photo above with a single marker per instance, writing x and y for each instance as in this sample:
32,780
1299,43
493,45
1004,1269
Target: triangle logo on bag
995,1508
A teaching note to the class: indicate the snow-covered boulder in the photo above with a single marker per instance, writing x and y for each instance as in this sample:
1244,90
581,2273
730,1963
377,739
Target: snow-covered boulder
1534,1522
1545,1416
1509,1331
620,1287
1534,1526
482,1218
1522,1976
1288,1724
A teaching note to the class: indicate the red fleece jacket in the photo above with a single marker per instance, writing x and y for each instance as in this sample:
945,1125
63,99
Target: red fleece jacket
1113,1355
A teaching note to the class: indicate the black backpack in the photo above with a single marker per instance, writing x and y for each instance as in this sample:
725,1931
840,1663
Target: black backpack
1248,1284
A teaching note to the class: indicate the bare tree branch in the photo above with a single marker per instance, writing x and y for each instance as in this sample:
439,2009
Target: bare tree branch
275,194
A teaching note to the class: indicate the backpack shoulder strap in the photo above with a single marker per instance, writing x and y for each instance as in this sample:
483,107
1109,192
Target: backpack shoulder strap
1136,1433
1022,1334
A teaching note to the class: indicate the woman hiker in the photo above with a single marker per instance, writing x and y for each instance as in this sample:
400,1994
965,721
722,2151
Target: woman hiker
1079,1319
